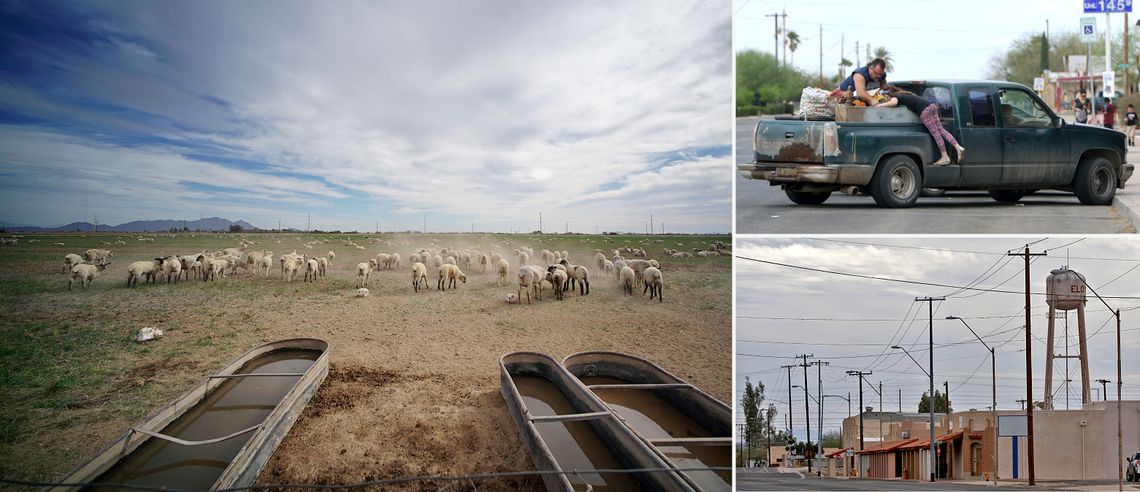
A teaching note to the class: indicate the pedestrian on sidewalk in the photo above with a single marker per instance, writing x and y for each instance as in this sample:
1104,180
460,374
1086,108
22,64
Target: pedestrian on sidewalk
1081,108
1130,123
1109,113
927,111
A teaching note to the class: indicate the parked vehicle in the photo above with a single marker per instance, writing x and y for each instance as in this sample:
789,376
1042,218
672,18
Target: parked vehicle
1014,144
1133,473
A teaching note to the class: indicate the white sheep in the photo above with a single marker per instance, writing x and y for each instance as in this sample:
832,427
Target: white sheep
419,276
312,270
264,265
97,255
600,261
448,274
653,283
557,278
85,274
324,264
547,256
530,277
483,262
172,268
363,271
216,267
332,256
140,269
382,260
502,267
289,266
394,261
579,274
627,278
523,257
70,260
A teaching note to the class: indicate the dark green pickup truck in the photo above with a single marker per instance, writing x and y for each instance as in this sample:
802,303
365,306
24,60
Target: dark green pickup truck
1014,145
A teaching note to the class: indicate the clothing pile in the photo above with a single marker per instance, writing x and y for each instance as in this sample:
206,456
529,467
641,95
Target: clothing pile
815,103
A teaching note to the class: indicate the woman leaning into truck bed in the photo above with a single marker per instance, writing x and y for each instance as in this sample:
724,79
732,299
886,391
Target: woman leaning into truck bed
927,111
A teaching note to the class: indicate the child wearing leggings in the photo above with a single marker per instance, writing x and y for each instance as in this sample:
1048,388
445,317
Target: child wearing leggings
928,112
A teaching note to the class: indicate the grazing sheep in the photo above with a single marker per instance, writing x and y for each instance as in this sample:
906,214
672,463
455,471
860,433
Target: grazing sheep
627,278
419,274
70,260
264,265
363,271
579,274
638,266
139,269
85,274
289,266
608,268
530,277
557,279
653,283
448,274
216,267
654,264
382,260
312,269
502,267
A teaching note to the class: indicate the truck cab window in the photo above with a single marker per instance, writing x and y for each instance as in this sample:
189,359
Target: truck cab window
1020,110
981,108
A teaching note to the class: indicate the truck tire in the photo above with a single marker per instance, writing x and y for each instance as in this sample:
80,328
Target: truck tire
1007,196
807,197
1096,181
896,183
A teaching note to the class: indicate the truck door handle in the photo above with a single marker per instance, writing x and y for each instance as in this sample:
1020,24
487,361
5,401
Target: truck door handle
1009,139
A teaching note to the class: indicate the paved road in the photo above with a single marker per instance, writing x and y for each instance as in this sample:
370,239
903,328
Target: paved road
765,479
764,209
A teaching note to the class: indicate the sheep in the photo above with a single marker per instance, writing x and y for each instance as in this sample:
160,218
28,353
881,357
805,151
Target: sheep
436,261
608,268
654,264
653,283
483,261
577,273
450,260
531,278
264,265
627,278
502,267
148,268
289,266
523,257
464,260
312,269
324,264
705,254
172,268
394,261
332,256
557,279
547,256
85,274
192,263
97,255
70,260
382,260
419,274
638,266
682,254
448,274
363,271
600,261
216,268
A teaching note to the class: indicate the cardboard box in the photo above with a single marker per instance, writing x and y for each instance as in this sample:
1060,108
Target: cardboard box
862,114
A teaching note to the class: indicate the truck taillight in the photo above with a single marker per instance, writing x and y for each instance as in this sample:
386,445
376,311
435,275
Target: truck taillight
830,139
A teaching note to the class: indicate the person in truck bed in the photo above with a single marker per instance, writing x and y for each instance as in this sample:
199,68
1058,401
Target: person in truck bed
927,111
866,79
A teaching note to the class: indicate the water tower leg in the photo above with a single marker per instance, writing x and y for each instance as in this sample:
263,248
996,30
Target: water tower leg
1049,353
1086,393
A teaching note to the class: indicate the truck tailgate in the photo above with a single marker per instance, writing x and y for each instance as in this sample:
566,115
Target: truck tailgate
791,141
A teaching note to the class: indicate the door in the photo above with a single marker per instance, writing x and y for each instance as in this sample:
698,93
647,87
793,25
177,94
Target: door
980,136
1036,153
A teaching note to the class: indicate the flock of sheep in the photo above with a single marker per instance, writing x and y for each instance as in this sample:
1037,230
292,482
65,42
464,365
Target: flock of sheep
534,273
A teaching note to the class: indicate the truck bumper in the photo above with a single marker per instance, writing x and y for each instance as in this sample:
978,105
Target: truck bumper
1125,173
779,173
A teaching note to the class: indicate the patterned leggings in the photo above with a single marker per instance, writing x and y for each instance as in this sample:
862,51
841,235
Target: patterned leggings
934,126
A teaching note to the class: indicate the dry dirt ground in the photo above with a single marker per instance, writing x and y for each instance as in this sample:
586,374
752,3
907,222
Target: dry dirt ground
413,387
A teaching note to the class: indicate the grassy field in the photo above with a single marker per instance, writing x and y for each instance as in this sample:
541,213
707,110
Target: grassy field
413,386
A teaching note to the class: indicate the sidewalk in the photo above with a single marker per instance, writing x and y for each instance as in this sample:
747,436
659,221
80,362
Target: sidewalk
1127,201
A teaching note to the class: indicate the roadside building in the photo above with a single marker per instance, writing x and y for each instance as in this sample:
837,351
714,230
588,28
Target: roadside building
882,427
776,455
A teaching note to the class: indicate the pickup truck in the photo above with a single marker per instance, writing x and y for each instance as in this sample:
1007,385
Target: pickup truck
1014,143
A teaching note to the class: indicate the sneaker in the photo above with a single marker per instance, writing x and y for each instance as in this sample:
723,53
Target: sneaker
961,153
941,162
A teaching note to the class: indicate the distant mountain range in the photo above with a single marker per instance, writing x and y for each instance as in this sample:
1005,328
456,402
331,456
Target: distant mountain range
208,224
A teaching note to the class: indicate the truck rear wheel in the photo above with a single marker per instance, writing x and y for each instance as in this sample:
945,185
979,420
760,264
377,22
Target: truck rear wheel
808,197
1096,181
896,183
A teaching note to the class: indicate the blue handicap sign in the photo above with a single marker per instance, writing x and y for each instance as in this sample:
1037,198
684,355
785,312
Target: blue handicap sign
1107,6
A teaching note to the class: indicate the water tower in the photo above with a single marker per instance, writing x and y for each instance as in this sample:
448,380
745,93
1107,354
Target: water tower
1065,291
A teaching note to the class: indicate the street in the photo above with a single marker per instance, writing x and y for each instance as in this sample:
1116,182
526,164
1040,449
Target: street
764,209
773,479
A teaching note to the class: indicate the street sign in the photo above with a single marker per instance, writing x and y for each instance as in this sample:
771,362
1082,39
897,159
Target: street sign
1107,6
1039,84
1109,83
850,453
1088,29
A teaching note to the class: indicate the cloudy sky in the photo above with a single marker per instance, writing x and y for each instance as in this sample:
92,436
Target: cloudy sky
927,38
852,322
475,114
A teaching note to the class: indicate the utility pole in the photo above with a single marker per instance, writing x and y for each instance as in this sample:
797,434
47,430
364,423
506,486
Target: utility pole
1104,388
821,55
775,35
819,388
768,417
784,17
789,368
881,437
933,447
1127,86
900,400
842,37
807,410
946,395
425,222
540,222
651,223
856,59
1028,363
309,223
860,375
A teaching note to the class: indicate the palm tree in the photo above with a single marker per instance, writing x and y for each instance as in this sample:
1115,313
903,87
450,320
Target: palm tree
843,64
793,43
882,52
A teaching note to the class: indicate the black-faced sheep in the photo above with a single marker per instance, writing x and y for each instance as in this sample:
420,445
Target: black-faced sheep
139,269
653,283
419,276
627,278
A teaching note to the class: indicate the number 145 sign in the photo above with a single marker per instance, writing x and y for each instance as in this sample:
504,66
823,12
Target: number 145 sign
1107,6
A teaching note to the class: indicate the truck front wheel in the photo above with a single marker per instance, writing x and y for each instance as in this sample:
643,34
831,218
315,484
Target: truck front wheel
1096,181
896,183
807,197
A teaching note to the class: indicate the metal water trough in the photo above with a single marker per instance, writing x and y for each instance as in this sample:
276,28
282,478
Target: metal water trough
260,440
639,373
626,446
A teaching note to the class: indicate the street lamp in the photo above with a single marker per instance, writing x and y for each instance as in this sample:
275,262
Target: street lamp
993,372
933,452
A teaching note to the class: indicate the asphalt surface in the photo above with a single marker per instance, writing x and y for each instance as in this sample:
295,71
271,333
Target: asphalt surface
764,209
774,479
